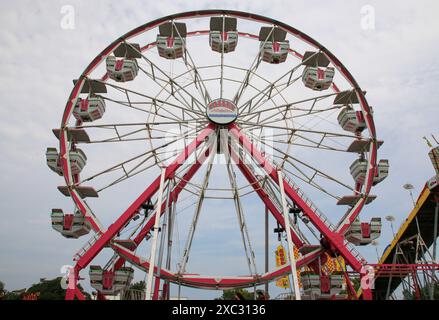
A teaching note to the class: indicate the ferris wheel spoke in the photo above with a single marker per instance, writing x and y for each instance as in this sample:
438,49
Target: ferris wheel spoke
178,187
286,113
134,106
137,169
249,126
248,249
261,184
152,111
153,102
274,118
134,124
191,66
309,179
185,258
133,134
287,106
267,91
150,154
291,137
118,166
173,89
251,70
317,144
221,89
285,157
273,91
252,106
170,82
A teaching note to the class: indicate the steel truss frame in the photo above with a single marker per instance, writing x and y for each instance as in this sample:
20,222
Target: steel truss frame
333,237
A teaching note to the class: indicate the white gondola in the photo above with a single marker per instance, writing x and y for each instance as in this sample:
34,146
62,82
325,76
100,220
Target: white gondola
110,282
363,233
69,225
310,283
337,283
273,45
351,120
226,41
359,169
78,160
223,36
434,157
52,160
171,40
89,109
316,74
317,78
170,48
122,70
382,171
274,52
317,287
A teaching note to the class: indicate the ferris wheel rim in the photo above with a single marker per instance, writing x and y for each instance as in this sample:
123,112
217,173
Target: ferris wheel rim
206,13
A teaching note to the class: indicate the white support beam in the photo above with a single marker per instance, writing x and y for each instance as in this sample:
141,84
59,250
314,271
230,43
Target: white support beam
148,295
289,239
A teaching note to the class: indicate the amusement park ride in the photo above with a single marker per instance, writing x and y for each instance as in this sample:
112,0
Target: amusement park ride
257,75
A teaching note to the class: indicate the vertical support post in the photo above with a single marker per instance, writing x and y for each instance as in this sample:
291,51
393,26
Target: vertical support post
352,293
389,284
171,215
155,236
266,248
289,239
162,243
416,285
436,213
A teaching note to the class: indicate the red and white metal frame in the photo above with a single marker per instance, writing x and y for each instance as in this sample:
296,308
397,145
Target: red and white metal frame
335,238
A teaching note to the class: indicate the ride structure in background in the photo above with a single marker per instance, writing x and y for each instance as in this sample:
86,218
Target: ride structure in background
409,262
262,99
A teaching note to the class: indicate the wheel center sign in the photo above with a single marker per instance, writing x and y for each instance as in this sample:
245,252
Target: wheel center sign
222,111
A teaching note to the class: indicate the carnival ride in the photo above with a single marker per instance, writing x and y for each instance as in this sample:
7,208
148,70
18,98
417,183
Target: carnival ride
410,260
144,110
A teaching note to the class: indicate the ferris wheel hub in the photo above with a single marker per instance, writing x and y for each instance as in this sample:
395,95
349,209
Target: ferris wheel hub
222,111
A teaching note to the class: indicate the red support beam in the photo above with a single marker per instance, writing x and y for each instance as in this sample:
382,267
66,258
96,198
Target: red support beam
173,198
335,239
226,282
264,196
146,195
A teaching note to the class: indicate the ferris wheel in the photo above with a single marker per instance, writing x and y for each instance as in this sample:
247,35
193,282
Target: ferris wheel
162,107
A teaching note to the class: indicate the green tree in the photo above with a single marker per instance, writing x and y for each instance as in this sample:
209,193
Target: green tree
46,290
231,294
5,295
11,296
138,286
424,293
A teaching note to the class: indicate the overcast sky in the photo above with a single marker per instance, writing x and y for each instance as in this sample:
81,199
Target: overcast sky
396,62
